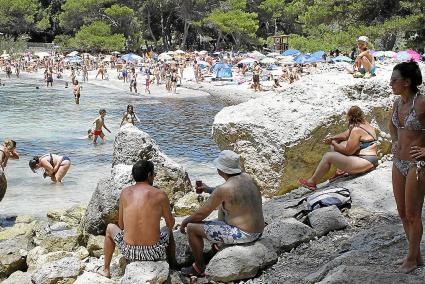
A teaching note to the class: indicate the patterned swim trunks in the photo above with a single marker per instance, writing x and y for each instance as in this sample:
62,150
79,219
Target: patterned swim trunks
221,233
144,253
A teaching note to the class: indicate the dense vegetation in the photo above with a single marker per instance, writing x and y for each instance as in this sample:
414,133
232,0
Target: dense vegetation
107,25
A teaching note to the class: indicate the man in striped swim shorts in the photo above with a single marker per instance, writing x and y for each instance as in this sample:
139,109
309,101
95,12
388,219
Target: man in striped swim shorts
138,235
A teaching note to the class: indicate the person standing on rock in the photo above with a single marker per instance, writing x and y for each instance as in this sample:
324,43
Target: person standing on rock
407,128
138,234
240,216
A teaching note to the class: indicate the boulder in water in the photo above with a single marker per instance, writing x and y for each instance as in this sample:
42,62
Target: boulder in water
3,184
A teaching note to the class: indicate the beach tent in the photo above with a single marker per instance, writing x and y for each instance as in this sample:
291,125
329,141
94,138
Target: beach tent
318,54
302,58
218,66
342,58
268,60
222,70
73,59
291,52
73,53
131,57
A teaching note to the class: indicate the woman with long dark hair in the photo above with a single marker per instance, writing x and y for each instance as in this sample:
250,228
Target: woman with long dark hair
407,128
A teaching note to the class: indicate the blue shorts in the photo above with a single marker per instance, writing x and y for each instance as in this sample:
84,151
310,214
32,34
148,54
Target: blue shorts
221,233
372,70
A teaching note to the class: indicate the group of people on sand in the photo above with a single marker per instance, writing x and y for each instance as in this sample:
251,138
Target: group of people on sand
240,217
354,151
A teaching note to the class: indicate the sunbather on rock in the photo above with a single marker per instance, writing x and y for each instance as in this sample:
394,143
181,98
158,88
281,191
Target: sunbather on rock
352,151
240,218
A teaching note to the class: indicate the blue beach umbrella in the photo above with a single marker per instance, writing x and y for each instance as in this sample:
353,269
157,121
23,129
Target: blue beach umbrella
342,58
291,52
131,57
73,59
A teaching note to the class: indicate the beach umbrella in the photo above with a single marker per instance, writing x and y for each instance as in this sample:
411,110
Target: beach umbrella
247,61
318,54
164,56
115,52
203,52
179,51
256,55
73,53
291,52
42,54
131,57
273,54
403,56
415,55
389,54
73,59
378,53
342,58
268,60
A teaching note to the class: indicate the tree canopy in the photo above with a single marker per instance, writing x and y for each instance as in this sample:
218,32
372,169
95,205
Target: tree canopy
104,25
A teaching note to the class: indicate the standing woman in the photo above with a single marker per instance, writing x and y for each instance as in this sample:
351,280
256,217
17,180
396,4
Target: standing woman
129,116
407,129
54,166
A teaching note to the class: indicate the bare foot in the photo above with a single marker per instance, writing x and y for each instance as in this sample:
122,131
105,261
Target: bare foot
408,267
104,272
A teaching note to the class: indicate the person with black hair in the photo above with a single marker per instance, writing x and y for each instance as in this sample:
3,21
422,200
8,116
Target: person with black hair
129,116
55,166
407,128
138,234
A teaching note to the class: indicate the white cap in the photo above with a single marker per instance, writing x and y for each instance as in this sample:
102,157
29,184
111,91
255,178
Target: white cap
228,162
364,39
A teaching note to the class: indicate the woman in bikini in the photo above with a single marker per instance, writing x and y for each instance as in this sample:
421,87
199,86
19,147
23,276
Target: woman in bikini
54,166
407,128
352,151
129,116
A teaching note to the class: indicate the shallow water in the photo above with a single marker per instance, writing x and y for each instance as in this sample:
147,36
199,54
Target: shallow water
47,120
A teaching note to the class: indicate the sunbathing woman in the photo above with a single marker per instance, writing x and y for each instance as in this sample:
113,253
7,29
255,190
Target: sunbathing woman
54,166
407,128
352,151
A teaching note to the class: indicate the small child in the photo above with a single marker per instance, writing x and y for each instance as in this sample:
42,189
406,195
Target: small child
99,124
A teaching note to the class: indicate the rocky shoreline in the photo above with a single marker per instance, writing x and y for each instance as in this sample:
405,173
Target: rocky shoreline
362,244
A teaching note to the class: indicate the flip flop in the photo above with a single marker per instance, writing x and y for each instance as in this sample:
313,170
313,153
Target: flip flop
304,182
192,270
99,270
337,174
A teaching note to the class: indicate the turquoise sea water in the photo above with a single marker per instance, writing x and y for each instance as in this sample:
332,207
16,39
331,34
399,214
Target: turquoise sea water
46,120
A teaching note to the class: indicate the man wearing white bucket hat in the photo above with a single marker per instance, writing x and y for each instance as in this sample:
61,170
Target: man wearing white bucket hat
364,64
240,213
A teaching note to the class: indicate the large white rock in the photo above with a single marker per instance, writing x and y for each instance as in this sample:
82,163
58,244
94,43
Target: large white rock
288,233
65,269
146,272
279,135
13,253
241,261
93,278
18,277
131,145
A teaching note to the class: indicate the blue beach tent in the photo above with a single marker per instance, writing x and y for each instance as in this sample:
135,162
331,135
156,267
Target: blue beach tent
302,58
224,73
291,52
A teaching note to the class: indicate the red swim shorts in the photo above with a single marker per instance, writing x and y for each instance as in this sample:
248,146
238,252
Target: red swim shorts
96,132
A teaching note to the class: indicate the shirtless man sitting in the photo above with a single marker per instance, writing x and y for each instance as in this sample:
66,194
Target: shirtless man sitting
138,234
240,216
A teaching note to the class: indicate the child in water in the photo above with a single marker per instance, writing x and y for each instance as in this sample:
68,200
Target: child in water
99,124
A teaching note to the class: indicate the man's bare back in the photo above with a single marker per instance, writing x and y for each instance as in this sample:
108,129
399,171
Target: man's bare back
242,204
142,207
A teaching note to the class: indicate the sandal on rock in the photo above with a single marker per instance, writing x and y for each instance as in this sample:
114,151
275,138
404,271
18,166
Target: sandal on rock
192,270
304,182
337,174
99,270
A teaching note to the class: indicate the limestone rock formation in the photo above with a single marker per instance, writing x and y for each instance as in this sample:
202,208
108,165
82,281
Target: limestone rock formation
93,278
131,145
189,203
71,216
60,271
241,261
13,253
146,272
18,277
95,245
286,234
324,220
279,135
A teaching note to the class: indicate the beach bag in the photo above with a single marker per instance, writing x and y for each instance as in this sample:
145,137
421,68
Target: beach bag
340,197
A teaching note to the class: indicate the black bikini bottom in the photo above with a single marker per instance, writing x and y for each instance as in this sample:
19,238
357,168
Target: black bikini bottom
370,158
